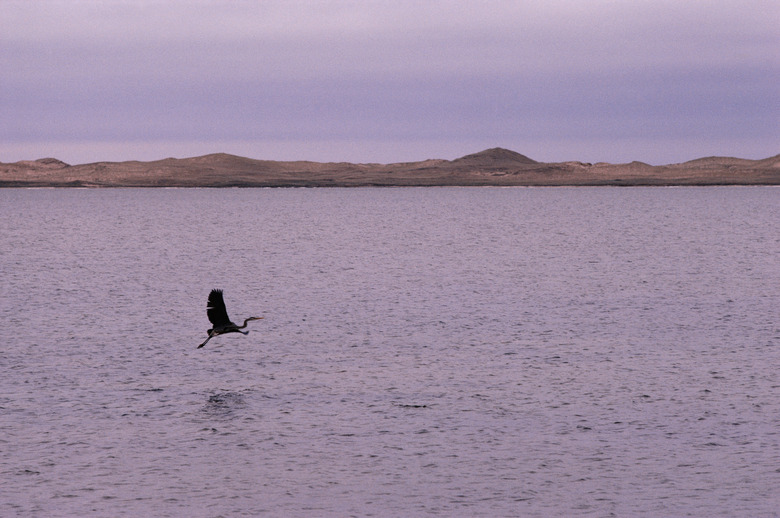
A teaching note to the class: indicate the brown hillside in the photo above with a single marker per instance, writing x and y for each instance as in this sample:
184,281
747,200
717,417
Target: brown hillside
497,166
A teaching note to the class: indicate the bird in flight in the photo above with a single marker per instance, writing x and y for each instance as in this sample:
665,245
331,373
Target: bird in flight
218,316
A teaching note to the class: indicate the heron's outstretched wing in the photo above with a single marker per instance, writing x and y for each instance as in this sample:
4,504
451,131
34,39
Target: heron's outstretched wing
216,309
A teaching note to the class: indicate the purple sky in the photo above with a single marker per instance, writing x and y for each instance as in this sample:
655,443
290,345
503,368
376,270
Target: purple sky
389,80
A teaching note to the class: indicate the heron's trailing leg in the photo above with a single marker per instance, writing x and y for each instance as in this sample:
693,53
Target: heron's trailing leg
207,340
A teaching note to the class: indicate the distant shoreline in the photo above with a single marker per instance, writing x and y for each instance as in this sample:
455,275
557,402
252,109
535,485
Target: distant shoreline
495,167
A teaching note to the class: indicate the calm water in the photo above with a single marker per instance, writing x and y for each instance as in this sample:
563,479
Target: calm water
424,352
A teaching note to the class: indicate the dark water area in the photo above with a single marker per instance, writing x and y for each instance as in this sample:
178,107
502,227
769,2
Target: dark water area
423,352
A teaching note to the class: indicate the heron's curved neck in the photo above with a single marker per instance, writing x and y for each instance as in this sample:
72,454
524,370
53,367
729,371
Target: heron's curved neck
246,321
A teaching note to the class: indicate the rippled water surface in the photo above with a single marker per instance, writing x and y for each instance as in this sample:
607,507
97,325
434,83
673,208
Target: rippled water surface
424,352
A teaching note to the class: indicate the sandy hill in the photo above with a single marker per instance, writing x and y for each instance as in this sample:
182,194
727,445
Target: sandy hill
716,161
495,157
772,162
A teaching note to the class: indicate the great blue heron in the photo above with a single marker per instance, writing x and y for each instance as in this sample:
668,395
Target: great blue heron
219,317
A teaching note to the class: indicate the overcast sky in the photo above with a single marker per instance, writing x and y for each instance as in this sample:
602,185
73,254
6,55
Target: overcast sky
389,80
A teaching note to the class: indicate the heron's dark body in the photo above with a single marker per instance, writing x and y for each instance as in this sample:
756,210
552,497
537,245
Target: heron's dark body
228,330
217,313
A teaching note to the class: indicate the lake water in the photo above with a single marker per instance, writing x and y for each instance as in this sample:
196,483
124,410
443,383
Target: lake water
424,352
